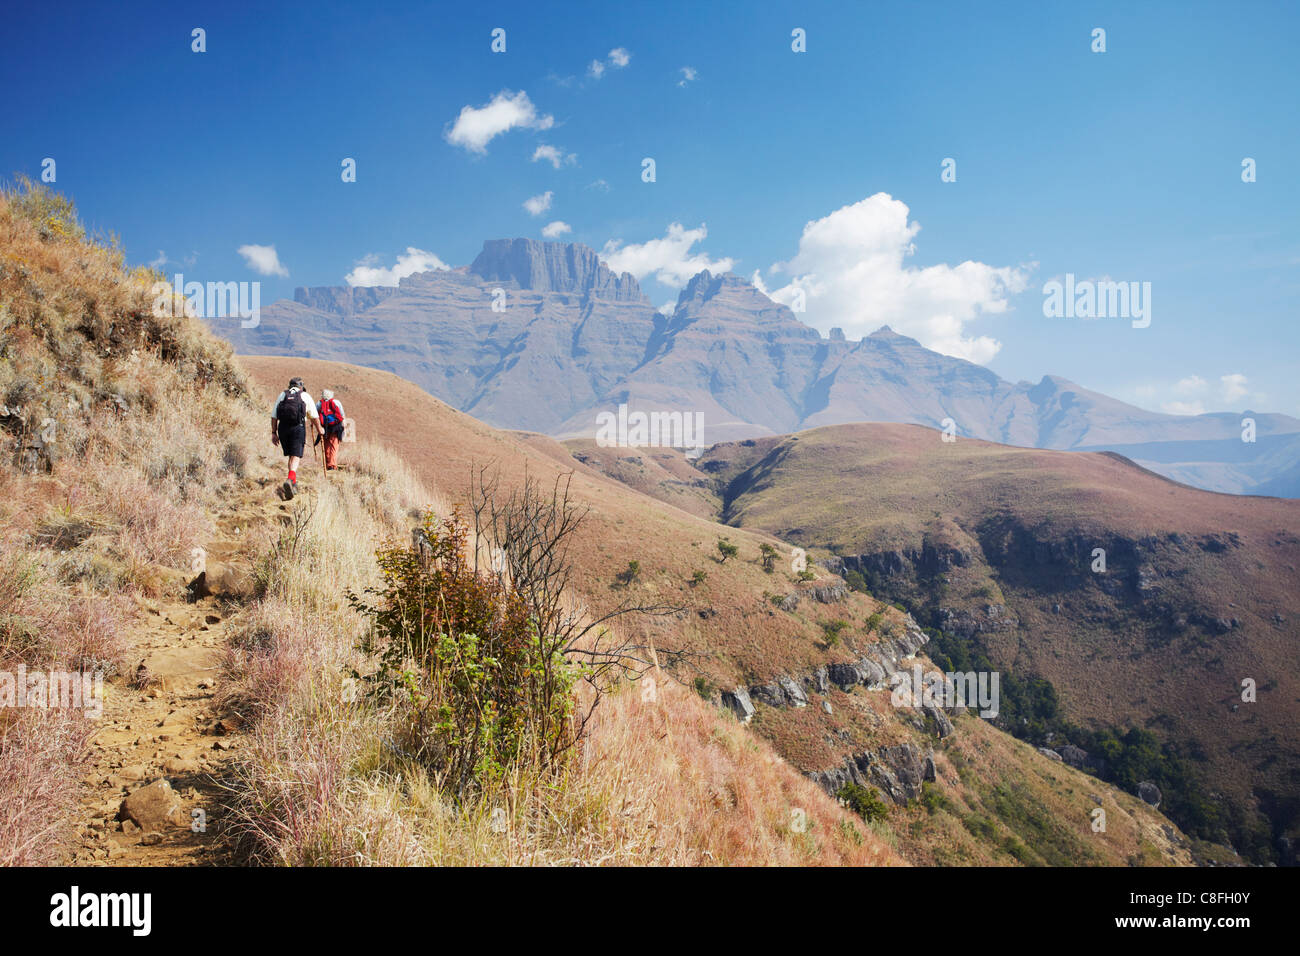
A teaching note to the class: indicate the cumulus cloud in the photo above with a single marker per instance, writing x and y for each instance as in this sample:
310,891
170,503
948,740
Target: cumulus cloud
475,127
617,59
1190,384
669,259
538,204
553,230
688,75
556,157
368,272
263,260
851,269
1234,386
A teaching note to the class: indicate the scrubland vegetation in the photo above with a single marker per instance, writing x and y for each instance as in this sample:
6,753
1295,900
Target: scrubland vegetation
400,703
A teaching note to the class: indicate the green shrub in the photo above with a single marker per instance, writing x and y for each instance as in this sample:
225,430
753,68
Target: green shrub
461,656
832,631
864,801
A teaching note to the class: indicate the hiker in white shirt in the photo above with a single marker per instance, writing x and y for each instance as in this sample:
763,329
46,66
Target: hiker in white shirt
292,410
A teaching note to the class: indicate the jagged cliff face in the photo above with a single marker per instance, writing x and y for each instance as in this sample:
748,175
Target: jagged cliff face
553,267
566,339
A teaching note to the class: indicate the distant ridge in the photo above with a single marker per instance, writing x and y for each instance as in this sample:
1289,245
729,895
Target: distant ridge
568,338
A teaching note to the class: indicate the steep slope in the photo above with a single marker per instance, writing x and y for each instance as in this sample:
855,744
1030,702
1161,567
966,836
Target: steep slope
803,660
542,336
998,548
143,548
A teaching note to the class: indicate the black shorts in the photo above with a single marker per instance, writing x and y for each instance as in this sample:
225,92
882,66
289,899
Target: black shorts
293,440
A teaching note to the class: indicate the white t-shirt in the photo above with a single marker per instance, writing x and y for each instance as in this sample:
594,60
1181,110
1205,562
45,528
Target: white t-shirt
310,410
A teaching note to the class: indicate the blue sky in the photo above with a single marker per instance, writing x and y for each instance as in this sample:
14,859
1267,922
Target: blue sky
1123,165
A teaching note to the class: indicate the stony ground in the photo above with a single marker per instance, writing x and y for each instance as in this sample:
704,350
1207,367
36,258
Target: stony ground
154,793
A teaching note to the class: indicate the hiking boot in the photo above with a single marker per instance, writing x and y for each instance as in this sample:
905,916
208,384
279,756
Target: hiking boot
289,488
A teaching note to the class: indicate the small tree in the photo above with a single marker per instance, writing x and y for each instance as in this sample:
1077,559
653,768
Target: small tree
832,631
864,801
727,550
630,573
769,556
698,578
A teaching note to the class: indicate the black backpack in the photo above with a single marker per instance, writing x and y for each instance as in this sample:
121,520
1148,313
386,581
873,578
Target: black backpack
292,410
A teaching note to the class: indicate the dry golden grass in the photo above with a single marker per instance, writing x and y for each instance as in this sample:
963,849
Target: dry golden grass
109,469
672,781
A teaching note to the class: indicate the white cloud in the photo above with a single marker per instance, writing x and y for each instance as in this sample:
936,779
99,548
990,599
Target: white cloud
669,259
668,308
617,59
475,127
688,75
1183,408
263,260
599,184
850,265
556,157
1234,386
538,204
553,230
1192,383
161,261
368,273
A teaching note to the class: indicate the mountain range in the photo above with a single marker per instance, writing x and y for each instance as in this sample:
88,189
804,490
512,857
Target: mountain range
543,336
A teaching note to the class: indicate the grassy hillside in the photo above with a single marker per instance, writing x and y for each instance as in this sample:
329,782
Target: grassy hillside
262,679
231,684
995,547
731,631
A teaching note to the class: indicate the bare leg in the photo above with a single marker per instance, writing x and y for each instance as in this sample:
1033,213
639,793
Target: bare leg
294,462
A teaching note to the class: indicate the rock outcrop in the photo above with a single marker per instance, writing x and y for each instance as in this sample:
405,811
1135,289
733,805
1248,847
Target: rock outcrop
553,267
897,772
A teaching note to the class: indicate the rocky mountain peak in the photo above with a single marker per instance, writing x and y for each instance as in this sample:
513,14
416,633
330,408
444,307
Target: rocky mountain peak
553,267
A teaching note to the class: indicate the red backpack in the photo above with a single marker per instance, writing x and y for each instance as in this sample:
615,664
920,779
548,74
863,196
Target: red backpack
330,413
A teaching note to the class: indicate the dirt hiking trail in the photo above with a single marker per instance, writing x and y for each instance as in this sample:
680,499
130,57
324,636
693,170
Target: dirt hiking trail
153,793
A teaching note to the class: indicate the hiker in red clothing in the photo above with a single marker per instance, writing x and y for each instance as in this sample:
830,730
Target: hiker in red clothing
292,410
330,414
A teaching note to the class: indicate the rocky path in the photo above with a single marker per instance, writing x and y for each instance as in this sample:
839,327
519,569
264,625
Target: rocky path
153,793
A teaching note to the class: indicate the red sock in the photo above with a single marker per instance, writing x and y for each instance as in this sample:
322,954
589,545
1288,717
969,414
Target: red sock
292,476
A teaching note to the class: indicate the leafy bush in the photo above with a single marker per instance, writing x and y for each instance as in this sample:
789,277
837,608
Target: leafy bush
864,801
855,581
832,631
461,655
630,573
727,550
768,557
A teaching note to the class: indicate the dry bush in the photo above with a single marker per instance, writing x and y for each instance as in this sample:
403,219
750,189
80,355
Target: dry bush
325,778
40,753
